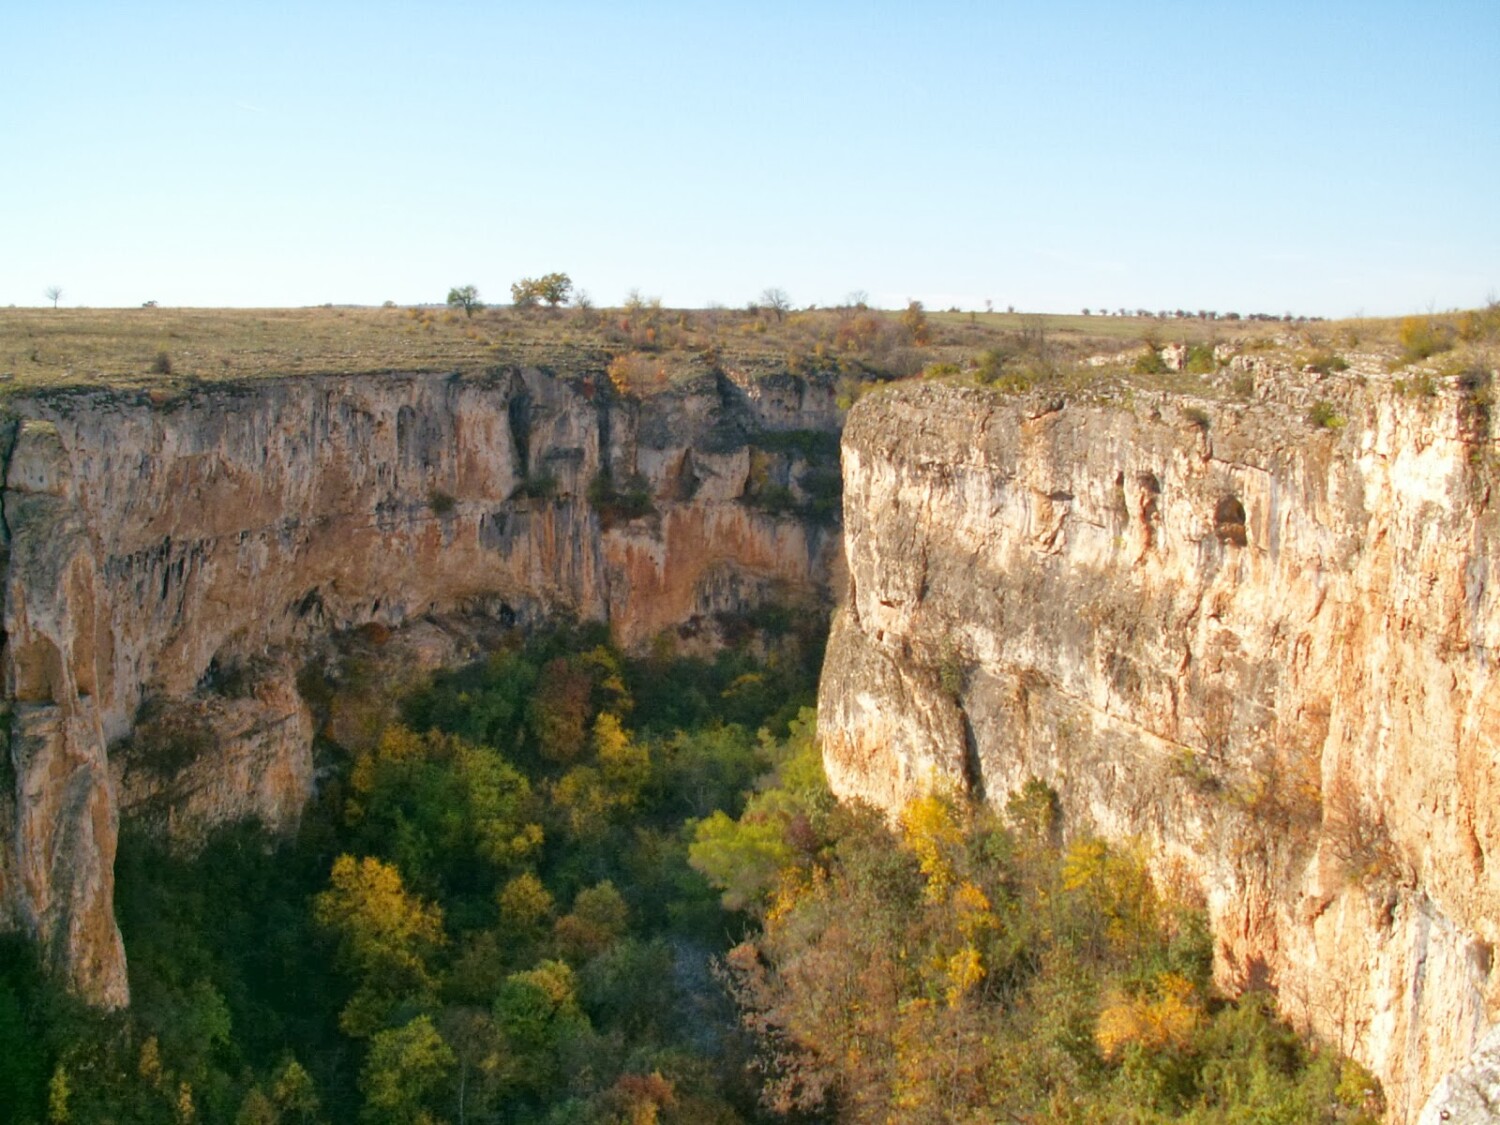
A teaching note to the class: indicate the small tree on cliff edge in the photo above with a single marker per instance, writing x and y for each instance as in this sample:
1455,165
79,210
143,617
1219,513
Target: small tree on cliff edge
464,297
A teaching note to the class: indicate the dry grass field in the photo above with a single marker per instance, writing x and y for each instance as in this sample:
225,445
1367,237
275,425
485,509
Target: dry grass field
643,344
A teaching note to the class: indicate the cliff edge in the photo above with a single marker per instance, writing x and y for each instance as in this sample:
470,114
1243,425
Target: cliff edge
167,561
1256,630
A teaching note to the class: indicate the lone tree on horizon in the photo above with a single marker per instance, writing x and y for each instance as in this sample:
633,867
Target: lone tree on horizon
777,301
54,293
554,288
464,297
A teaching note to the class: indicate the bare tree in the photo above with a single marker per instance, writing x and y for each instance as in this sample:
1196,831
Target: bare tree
53,293
776,300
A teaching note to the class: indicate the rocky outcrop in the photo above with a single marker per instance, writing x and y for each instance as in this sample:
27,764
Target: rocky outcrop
1471,1094
154,546
1259,635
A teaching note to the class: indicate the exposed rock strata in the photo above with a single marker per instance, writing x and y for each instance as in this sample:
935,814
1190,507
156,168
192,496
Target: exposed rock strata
150,544
1268,648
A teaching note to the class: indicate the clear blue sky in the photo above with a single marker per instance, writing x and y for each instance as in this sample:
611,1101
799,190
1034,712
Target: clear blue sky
1325,158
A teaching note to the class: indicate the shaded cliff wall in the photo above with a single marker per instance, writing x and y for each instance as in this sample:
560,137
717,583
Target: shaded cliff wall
150,546
1265,647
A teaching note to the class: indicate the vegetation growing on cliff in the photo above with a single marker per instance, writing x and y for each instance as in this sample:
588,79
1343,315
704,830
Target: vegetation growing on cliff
962,966
507,902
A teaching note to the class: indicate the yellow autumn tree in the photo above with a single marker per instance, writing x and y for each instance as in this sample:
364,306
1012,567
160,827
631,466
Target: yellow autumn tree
1162,1018
1115,888
386,938
932,830
526,908
624,765
973,916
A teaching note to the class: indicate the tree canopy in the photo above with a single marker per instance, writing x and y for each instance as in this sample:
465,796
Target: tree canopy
567,885
465,297
553,288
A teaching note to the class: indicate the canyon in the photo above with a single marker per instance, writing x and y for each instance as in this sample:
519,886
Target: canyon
176,561
1247,626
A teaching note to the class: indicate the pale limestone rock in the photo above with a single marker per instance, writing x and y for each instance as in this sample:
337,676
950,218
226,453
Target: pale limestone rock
254,761
1267,649
148,543
1471,1094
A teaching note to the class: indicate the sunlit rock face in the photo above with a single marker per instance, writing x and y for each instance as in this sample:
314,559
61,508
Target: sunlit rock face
1265,647
155,549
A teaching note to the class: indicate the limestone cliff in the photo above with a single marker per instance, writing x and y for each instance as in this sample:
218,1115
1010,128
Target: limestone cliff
1260,635
155,548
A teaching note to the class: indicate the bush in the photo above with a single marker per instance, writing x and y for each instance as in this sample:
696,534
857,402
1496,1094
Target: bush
441,503
1324,361
1422,336
543,486
1422,386
1323,415
824,489
1359,840
1149,362
776,499
914,320
812,444
939,370
634,372
1480,324
616,505
1200,360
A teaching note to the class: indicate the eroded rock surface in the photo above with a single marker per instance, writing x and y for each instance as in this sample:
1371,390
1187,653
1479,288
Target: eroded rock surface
151,545
1471,1094
1267,647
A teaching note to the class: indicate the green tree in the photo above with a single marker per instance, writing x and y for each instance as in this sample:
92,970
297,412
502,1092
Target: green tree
406,1066
294,1093
744,858
478,1053
23,1059
599,918
465,297
555,288
537,1012
59,1093
257,1109
526,909
436,802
